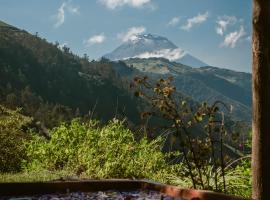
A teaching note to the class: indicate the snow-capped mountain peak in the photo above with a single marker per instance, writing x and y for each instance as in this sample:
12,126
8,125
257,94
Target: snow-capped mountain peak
149,46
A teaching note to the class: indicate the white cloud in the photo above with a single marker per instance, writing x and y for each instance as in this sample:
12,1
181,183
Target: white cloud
131,34
113,4
73,10
200,18
60,16
96,39
170,54
174,21
232,38
223,23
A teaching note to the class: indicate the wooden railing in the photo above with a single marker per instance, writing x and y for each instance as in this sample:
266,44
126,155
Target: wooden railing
34,188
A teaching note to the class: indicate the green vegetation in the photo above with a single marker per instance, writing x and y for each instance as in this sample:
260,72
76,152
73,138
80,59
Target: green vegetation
3,24
80,150
233,88
96,152
34,176
53,85
206,155
50,97
12,150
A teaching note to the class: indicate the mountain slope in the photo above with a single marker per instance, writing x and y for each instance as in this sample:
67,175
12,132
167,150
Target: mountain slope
43,79
148,46
190,60
203,84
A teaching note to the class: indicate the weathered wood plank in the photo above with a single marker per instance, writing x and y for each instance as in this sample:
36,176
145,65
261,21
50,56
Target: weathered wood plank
261,100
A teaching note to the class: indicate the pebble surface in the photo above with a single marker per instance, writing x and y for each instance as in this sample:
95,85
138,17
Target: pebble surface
107,195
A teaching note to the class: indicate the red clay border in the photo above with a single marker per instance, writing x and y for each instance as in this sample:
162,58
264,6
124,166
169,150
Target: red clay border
14,189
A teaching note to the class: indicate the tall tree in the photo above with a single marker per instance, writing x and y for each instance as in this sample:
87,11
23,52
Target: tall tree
261,100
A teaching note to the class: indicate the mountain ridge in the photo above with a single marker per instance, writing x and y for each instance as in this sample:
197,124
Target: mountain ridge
149,46
204,83
55,75
52,84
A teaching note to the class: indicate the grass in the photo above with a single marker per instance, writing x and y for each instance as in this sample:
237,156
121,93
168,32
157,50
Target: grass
40,176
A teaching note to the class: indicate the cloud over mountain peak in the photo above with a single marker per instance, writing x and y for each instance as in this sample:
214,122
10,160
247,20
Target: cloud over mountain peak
152,46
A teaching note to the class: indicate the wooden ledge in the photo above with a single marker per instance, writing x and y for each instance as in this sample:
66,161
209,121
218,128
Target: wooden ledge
33,188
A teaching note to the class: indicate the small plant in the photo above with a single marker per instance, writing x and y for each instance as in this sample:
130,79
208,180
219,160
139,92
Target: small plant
200,130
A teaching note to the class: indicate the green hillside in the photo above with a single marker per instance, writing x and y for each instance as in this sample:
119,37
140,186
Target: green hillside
203,84
52,84
3,24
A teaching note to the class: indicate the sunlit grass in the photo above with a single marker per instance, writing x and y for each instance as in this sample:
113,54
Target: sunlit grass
38,176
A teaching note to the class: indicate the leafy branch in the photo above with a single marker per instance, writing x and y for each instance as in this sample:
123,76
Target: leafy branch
200,129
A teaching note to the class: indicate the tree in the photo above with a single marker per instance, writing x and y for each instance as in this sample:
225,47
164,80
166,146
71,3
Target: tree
85,57
66,49
56,44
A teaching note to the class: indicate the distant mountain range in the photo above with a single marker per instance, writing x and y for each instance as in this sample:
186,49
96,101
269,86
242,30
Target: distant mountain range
35,74
153,46
208,84
156,56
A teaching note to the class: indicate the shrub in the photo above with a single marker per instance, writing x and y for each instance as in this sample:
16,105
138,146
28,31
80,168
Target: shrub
97,152
12,136
200,134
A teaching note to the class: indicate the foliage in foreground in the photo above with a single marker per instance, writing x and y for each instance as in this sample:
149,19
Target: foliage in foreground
96,152
200,131
238,179
202,148
89,150
11,138
34,176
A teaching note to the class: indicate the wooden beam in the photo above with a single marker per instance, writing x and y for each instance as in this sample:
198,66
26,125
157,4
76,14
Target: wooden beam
261,100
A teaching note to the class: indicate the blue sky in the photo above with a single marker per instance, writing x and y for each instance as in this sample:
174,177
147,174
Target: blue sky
217,32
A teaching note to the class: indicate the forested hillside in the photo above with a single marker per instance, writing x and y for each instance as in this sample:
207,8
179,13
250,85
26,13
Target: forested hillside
203,84
52,84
